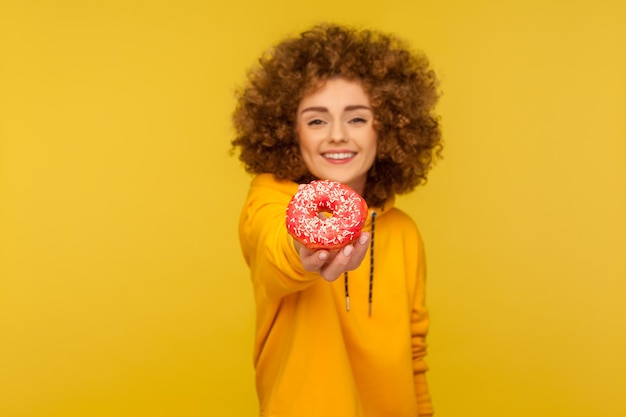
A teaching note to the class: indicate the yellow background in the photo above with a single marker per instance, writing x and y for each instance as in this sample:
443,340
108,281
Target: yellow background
122,289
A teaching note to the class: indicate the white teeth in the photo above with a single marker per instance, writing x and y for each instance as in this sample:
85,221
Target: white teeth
341,155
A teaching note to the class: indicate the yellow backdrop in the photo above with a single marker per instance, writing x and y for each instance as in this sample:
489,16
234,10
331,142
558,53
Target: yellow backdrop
122,289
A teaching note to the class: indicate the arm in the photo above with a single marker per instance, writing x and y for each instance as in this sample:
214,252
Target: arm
279,265
268,249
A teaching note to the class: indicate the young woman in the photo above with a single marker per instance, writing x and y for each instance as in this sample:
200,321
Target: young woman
354,106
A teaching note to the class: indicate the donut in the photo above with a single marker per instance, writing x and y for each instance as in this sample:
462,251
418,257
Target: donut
348,212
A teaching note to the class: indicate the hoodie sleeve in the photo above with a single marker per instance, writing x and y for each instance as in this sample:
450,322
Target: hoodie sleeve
267,247
419,330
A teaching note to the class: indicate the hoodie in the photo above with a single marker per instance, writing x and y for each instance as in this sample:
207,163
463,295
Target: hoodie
313,356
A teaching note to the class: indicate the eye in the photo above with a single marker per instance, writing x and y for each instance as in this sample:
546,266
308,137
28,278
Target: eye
315,122
357,120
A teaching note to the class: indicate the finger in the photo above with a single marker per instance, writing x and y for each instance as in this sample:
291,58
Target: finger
333,269
347,259
313,260
360,250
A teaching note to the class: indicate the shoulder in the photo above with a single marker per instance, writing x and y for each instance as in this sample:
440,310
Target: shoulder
267,186
399,225
398,218
264,210
390,213
267,199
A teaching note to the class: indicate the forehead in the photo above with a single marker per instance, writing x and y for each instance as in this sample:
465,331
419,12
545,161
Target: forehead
337,90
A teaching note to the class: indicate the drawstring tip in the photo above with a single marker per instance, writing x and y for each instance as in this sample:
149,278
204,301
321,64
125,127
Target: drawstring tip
347,303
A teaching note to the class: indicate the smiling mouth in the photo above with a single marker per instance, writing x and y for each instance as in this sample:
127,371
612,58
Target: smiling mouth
338,156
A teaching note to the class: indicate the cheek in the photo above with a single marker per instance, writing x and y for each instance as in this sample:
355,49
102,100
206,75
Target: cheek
306,152
373,145
307,142
303,144
372,158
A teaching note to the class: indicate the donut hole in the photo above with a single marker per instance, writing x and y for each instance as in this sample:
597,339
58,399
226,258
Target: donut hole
325,213
326,209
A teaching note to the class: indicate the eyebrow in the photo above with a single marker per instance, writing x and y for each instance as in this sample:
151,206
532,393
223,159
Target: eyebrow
347,108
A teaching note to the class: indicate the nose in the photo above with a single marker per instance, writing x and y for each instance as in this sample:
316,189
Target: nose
337,133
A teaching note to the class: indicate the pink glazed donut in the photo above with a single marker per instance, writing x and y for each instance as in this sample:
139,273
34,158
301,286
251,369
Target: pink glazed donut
348,214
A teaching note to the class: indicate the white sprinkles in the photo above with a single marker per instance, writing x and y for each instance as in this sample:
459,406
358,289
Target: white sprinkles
348,209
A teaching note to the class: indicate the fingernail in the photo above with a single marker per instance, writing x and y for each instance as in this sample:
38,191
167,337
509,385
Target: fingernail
323,256
363,239
347,250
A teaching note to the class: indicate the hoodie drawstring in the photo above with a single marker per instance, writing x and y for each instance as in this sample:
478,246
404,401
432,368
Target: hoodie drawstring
371,283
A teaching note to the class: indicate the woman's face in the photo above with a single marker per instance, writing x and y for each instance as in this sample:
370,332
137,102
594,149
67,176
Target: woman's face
336,133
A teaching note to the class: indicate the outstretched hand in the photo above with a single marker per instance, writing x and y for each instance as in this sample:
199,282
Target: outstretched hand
332,264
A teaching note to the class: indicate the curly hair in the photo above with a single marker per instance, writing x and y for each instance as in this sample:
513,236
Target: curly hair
400,84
